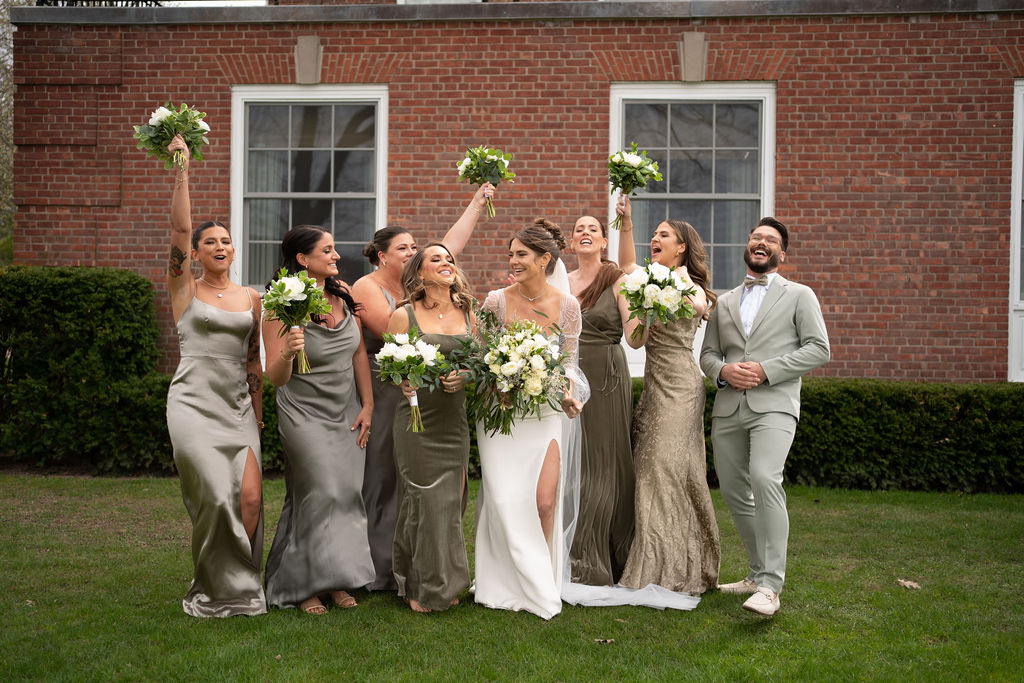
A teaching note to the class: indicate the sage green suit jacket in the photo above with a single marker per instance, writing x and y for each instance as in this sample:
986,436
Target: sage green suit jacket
788,339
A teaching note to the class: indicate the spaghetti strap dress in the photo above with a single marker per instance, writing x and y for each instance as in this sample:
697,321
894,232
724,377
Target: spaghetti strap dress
212,425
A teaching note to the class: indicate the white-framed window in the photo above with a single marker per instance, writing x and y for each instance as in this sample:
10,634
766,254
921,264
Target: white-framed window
306,155
715,146
1015,364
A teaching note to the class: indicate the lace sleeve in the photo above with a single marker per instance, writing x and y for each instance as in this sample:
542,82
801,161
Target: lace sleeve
570,320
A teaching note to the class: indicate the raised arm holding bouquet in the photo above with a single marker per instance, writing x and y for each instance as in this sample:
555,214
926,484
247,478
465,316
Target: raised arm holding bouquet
164,123
630,170
484,165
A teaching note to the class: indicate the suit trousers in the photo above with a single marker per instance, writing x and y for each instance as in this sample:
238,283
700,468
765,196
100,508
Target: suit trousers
750,454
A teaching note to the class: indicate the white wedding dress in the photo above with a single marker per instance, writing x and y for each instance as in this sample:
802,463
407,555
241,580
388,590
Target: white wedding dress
516,567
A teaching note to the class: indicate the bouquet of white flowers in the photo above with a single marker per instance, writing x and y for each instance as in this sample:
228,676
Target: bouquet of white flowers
629,171
485,165
656,293
164,124
408,357
519,370
294,300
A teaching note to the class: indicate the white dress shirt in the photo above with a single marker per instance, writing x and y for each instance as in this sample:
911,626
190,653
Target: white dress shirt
750,302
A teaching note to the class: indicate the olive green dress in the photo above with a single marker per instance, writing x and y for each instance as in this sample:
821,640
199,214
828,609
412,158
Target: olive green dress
380,483
604,529
320,544
676,543
213,426
430,561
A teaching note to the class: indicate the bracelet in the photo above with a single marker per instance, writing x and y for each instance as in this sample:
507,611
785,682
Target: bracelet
259,423
288,358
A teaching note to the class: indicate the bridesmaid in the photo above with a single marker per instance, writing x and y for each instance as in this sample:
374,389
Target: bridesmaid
324,419
214,406
676,542
389,250
604,528
430,563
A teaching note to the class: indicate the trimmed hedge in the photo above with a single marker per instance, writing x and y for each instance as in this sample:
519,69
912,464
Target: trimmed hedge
875,434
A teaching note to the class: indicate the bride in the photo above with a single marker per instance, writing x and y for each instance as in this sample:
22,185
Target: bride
520,536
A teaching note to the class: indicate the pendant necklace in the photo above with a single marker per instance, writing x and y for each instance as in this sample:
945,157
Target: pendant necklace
220,294
531,299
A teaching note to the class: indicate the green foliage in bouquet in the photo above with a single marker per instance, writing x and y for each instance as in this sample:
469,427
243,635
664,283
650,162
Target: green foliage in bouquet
485,165
293,300
164,124
630,170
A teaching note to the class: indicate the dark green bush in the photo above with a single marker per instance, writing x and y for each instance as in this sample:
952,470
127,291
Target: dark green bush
873,434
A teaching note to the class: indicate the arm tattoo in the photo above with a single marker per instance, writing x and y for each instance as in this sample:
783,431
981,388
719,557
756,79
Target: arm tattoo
177,259
255,383
254,349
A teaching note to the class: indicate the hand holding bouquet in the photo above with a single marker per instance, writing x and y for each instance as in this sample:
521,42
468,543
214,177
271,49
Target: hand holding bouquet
164,124
656,293
408,357
294,300
485,165
629,171
522,368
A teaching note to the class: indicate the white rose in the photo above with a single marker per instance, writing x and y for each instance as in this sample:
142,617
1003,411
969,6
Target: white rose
509,369
636,280
670,298
537,362
203,125
651,294
659,272
464,164
428,353
678,281
534,386
633,160
494,368
502,348
387,351
294,290
617,158
490,357
401,338
159,115
403,352
491,157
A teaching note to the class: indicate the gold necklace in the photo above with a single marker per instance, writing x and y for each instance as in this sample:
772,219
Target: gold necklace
530,299
219,294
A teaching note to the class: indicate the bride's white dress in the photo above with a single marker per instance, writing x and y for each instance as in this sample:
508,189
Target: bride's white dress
516,567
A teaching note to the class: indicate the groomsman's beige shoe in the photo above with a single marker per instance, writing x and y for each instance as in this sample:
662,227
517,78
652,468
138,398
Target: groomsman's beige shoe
744,587
764,602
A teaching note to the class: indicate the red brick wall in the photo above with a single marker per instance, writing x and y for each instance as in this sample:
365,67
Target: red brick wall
893,145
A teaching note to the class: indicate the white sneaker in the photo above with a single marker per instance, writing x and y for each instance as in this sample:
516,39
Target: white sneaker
744,587
764,602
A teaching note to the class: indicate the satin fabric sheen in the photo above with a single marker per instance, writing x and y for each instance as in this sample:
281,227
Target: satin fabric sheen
212,426
321,543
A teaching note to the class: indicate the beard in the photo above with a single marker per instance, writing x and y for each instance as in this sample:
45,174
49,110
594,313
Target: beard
771,264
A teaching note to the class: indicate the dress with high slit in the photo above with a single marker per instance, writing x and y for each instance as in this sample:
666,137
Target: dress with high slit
380,482
212,426
321,543
517,568
430,560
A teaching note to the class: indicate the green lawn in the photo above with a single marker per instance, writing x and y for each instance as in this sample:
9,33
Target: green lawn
93,571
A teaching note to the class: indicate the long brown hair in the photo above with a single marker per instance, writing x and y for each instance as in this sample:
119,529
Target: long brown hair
413,288
695,258
606,276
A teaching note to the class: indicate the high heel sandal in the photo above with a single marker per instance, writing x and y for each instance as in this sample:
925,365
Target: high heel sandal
343,600
313,606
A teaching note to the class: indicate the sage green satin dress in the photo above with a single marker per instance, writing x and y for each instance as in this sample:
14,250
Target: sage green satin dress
430,562
604,529
212,425
320,544
380,482
676,544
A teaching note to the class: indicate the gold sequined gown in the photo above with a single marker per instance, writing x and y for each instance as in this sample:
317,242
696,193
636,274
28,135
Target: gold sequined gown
676,542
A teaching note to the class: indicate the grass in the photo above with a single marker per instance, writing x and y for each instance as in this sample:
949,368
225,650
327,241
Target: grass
93,571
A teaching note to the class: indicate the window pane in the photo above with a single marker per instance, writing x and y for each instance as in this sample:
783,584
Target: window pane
312,212
268,125
354,125
264,261
352,264
267,218
734,221
657,186
311,125
690,171
736,172
737,125
692,125
646,125
647,213
311,171
353,171
696,212
354,220
267,171
727,267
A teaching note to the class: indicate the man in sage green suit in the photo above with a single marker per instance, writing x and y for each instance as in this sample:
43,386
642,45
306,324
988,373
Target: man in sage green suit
761,338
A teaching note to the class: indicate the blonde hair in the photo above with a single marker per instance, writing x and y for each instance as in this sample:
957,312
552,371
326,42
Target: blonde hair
414,289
